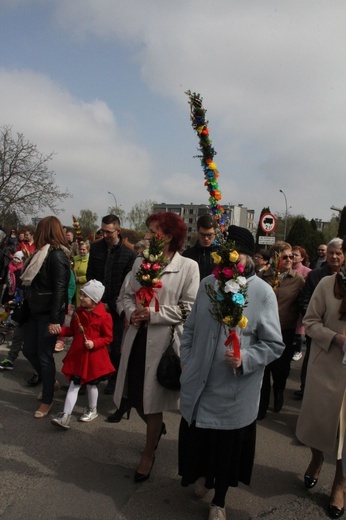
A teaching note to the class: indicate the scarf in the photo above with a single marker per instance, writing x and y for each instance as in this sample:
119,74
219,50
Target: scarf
11,277
34,265
340,292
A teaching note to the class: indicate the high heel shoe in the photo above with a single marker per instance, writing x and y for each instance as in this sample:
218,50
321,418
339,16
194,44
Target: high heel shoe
309,481
334,511
162,432
119,413
139,477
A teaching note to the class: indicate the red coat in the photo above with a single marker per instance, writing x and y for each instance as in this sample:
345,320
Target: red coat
81,362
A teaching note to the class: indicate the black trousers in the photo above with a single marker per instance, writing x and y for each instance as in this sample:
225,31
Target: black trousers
278,370
38,348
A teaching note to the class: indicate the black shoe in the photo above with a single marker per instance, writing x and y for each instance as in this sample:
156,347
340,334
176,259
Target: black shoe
34,380
335,512
139,477
162,432
110,387
309,482
120,412
278,401
118,415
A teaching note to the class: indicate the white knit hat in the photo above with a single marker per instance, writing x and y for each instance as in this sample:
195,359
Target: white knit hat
94,289
19,255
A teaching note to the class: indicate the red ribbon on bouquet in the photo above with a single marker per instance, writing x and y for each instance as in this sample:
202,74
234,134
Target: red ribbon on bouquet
144,295
234,339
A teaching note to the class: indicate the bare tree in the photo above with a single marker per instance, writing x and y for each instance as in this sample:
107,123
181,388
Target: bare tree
139,213
27,186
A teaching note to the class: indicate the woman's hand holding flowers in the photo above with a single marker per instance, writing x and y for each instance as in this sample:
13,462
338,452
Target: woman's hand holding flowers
233,361
140,315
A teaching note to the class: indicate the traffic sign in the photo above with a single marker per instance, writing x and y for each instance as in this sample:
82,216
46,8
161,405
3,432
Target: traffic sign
269,241
268,223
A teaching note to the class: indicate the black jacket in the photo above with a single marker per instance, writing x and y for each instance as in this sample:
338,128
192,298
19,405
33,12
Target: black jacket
311,282
110,266
47,294
202,256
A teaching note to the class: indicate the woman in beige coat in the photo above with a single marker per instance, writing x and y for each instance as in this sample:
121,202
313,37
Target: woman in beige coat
322,420
149,334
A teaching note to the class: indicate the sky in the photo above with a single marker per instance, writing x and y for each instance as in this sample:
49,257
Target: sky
102,85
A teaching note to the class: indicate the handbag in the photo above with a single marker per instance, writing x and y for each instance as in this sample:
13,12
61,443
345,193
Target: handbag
169,368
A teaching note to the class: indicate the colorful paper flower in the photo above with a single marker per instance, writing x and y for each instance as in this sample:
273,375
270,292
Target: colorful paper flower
228,293
243,322
216,257
200,125
233,256
150,270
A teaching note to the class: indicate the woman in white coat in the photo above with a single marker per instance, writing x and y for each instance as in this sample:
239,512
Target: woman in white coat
149,334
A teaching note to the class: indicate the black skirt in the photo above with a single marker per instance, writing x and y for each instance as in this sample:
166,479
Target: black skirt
136,368
225,456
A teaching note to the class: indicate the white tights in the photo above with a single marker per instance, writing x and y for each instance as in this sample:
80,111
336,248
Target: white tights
72,395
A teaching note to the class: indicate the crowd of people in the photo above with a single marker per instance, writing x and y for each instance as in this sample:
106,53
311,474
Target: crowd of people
99,294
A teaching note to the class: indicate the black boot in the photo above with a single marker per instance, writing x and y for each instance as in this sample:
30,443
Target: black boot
120,412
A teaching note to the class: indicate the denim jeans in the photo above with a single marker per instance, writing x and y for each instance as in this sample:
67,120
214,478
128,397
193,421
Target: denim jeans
17,341
39,349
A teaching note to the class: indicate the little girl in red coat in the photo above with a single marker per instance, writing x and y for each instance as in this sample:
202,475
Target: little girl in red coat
87,361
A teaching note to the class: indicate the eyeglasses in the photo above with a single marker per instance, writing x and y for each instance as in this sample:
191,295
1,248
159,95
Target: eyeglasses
257,257
108,233
206,235
287,257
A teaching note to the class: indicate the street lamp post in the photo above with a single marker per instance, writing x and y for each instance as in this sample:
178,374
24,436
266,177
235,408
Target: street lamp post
115,200
283,193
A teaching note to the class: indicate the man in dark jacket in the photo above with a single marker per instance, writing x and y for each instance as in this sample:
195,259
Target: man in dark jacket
109,262
204,246
321,259
334,261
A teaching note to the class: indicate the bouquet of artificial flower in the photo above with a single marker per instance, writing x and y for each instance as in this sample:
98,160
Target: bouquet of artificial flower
149,273
228,293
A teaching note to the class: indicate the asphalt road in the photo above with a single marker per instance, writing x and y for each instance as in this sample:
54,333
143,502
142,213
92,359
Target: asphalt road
86,473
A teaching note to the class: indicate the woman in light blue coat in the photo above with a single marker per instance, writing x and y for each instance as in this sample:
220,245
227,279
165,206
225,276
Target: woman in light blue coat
219,393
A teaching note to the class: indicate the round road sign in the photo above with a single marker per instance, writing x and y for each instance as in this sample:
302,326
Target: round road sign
268,223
